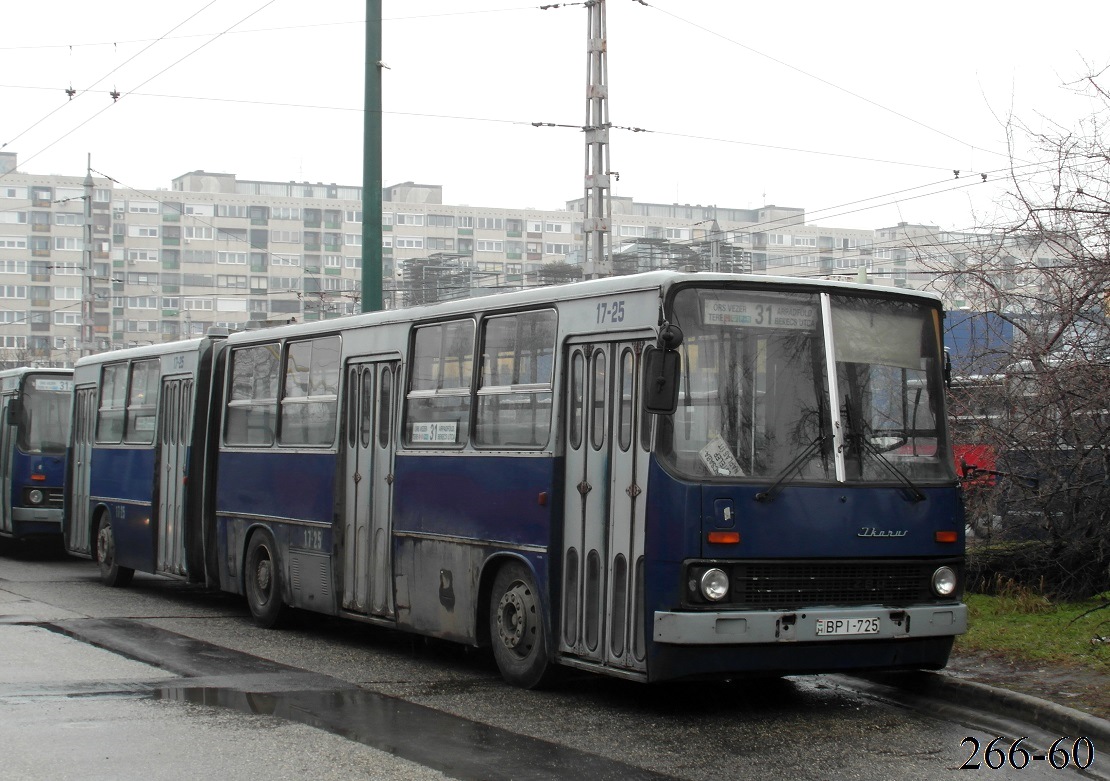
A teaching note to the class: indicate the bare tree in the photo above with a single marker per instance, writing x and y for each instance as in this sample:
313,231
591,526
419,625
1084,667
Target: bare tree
1046,272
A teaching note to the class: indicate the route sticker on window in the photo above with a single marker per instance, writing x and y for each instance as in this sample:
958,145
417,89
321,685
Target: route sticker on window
435,432
719,460
755,314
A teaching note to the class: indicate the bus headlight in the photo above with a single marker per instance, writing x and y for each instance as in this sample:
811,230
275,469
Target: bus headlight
944,582
34,496
714,584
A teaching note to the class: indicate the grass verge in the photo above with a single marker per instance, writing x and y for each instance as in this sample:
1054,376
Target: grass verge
1020,625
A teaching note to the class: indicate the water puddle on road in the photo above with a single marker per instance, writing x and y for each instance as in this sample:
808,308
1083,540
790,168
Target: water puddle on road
457,747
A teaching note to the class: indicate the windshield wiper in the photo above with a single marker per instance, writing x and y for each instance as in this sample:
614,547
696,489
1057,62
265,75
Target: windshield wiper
865,445
794,466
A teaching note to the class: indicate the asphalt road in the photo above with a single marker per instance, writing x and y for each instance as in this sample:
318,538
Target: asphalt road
164,681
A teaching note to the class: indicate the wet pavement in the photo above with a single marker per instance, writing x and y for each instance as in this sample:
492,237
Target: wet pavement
70,710
160,681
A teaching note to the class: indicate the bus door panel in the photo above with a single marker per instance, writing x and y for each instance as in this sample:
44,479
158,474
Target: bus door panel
601,552
370,409
79,535
7,434
628,476
174,435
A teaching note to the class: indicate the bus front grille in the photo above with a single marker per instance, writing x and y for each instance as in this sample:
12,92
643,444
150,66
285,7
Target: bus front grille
797,584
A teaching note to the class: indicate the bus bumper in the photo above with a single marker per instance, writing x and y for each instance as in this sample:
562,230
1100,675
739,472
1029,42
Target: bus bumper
736,627
36,520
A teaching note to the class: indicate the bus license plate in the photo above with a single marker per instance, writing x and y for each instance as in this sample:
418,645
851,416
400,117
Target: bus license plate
847,626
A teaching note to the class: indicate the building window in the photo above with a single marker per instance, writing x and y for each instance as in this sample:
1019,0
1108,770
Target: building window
143,302
489,246
410,219
491,223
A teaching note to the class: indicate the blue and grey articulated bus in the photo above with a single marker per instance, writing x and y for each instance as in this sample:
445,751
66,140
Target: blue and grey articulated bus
34,431
655,476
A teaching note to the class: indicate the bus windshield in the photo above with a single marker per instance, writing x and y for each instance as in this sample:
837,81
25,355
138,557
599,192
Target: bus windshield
44,421
755,393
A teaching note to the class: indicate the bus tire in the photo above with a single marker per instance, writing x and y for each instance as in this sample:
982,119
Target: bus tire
111,573
262,581
517,629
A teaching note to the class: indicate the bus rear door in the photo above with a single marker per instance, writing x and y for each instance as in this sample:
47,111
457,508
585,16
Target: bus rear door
76,522
174,433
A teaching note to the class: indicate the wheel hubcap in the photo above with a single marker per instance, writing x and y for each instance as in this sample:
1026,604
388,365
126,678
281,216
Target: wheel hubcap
263,577
513,627
104,545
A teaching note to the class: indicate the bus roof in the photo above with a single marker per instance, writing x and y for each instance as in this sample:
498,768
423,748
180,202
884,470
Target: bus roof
659,280
148,350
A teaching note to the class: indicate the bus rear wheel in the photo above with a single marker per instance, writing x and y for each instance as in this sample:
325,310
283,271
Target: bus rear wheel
262,575
111,573
517,630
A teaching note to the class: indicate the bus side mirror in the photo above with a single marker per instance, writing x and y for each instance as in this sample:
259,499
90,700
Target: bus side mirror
14,411
661,377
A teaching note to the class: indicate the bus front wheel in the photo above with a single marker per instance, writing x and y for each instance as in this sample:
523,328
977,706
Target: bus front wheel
517,629
111,573
262,574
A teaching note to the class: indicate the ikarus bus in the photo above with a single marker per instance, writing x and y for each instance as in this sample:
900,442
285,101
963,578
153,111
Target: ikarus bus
34,431
656,476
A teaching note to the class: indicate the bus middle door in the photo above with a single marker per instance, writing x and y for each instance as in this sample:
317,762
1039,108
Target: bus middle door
370,407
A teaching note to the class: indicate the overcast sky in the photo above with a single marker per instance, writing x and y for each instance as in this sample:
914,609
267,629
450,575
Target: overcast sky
834,108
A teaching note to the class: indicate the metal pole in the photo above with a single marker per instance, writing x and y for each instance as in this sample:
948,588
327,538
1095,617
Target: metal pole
372,163
87,319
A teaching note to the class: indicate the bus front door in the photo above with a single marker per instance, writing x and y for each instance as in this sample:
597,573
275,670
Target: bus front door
174,433
77,520
370,409
603,526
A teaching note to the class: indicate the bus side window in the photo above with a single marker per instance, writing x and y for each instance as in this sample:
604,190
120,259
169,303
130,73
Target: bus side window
438,410
113,395
142,402
310,401
252,404
515,394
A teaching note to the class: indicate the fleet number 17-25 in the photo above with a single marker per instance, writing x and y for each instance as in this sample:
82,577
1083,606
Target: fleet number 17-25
610,311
